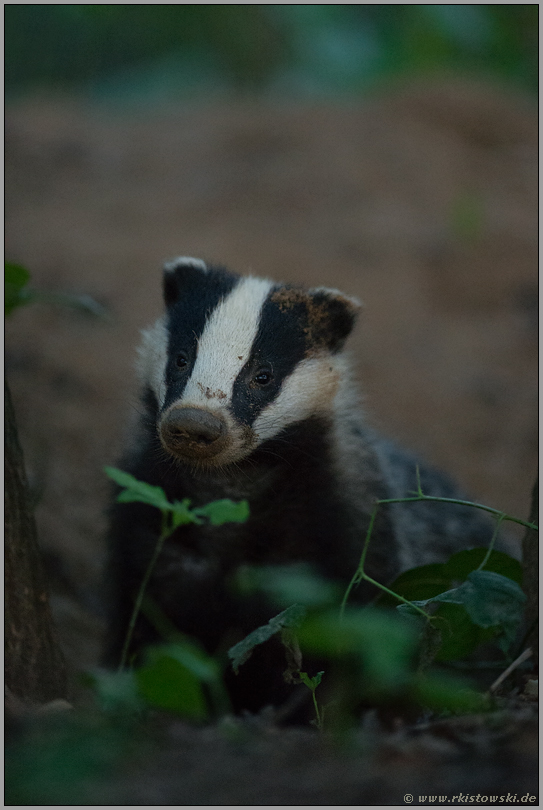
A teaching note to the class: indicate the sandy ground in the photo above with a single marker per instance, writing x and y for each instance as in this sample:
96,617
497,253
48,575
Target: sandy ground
421,201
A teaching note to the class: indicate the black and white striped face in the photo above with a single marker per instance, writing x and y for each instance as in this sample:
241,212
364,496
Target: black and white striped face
236,360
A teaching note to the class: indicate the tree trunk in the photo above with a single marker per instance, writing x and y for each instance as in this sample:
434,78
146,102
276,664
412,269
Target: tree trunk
35,670
530,565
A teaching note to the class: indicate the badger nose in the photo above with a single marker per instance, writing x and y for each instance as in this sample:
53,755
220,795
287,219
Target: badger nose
192,431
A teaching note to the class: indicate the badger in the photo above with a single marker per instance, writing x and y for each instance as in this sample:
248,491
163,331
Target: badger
247,393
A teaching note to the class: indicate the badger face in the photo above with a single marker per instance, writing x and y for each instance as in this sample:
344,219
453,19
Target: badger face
236,360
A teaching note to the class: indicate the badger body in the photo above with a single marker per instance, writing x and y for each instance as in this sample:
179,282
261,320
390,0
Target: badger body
247,394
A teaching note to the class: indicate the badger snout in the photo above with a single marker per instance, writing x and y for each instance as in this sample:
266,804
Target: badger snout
193,433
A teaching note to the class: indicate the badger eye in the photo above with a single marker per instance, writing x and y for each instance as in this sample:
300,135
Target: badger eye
181,361
263,377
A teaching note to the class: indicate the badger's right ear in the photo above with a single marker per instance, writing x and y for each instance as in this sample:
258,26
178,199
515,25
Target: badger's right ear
176,275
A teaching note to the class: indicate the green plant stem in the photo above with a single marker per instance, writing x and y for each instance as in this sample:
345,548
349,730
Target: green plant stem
438,499
317,712
492,543
360,574
166,530
359,571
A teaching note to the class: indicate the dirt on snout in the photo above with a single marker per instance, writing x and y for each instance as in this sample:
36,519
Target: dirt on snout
421,202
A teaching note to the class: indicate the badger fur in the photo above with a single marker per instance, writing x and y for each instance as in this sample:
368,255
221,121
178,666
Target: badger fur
247,394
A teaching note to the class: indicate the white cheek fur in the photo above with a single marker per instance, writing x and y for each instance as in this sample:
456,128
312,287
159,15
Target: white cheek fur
152,358
309,391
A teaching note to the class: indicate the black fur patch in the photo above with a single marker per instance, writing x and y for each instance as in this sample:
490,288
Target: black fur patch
279,345
293,325
191,295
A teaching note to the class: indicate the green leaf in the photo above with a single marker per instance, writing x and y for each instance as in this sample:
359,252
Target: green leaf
181,514
165,683
116,691
286,584
218,512
494,600
16,277
194,659
417,584
460,636
241,652
17,294
485,600
383,644
313,682
490,599
464,562
439,692
425,581
135,490
224,511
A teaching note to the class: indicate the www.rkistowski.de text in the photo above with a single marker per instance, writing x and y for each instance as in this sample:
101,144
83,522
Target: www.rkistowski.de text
473,798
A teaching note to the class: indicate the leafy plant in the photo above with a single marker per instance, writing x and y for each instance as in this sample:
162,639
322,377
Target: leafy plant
445,611
174,514
461,628
17,293
312,684
501,595
289,618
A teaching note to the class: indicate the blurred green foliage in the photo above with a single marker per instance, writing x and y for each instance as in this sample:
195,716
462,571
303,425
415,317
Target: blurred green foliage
301,49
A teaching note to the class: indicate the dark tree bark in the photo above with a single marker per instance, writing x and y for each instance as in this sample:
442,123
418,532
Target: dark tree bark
35,670
530,565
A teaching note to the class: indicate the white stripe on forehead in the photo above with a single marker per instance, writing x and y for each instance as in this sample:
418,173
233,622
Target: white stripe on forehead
225,344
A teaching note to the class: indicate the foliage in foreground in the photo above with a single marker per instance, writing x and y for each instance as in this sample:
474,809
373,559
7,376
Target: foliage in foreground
444,612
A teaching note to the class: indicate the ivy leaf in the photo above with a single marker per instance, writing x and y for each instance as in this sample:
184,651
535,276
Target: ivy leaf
224,511
425,581
16,277
418,584
135,490
460,636
461,564
242,651
485,600
494,600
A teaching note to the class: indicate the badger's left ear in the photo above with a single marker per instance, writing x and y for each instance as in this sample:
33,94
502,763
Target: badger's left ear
331,315
179,274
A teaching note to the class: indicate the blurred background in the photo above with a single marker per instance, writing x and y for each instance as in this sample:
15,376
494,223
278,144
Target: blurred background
178,50
387,150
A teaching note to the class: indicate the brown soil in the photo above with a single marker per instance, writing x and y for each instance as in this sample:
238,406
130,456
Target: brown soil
421,202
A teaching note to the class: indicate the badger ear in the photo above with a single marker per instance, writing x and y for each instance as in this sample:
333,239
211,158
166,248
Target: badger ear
332,315
177,273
